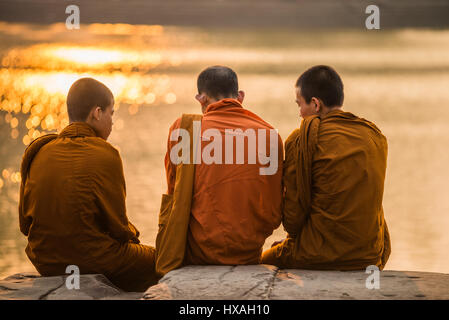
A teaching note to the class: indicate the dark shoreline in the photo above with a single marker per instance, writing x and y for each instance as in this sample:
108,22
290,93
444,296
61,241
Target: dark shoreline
236,13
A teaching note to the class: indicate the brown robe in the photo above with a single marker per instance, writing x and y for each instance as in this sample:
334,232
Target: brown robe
334,176
72,208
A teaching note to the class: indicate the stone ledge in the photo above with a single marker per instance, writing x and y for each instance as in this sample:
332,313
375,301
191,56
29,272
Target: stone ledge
254,282
31,286
265,282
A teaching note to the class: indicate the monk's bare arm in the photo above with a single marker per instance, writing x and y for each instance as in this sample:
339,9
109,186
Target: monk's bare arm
110,190
293,218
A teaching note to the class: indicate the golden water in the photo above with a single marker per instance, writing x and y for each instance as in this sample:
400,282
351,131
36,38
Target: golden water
397,79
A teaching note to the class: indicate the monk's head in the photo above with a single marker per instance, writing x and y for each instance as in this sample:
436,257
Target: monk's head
217,83
92,102
319,90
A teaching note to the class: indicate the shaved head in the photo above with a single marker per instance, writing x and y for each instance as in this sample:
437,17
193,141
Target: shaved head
218,82
84,95
321,82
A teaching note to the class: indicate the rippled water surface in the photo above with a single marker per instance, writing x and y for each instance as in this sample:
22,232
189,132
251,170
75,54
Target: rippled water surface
397,79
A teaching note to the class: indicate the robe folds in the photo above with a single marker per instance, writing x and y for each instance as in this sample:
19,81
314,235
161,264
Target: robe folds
334,174
72,209
234,208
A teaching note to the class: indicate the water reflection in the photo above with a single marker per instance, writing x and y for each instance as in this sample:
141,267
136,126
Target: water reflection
94,28
390,78
34,81
33,95
80,58
41,96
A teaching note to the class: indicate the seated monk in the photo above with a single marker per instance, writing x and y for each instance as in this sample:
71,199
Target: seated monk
72,198
234,206
334,174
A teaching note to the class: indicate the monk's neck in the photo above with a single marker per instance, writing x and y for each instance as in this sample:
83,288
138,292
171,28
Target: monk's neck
222,103
327,110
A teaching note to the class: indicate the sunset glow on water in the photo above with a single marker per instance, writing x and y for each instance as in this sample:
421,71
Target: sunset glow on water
398,80
34,82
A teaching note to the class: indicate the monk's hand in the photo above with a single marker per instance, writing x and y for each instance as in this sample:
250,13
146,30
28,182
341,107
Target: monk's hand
276,243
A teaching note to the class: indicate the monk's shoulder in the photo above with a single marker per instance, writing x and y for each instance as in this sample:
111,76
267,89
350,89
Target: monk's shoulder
176,124
374,131
40,141
36,145
291,139
104,151
355,122
33,149
374,127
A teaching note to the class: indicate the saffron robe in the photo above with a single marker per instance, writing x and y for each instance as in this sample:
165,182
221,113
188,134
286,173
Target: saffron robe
334,176
234,208
72,208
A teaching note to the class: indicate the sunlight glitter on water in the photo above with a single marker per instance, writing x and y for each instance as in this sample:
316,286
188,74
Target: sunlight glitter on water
398,79
35,80
41,95
71,57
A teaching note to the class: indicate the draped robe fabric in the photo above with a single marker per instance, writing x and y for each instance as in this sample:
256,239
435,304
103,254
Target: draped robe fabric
334,174
174,215
234,207
72,209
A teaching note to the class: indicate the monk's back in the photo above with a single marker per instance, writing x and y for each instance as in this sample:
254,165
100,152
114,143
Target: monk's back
235,207
237,189
334,168
72,198
348,172
61,196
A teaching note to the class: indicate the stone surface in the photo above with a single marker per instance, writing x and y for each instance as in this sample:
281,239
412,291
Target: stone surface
30,286
215,282
394,285
268,282
256,282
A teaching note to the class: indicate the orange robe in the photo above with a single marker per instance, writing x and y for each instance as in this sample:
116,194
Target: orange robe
234,208
334,176
72,208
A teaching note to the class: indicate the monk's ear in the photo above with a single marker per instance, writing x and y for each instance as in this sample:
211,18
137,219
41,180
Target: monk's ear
317,104
201,98
241,96
96,113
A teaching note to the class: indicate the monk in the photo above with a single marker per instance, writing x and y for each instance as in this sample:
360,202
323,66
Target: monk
334,176
72,198
235,205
